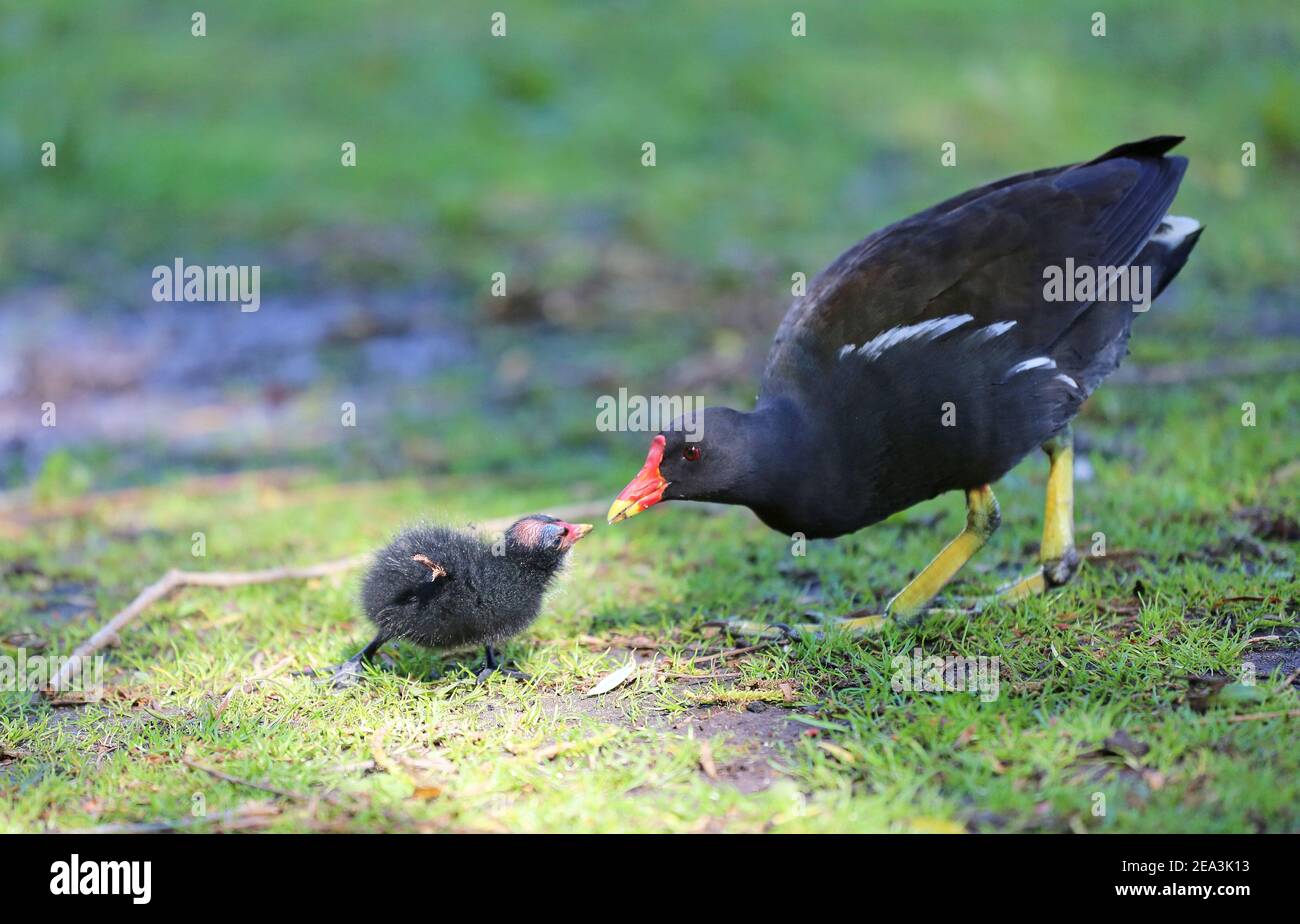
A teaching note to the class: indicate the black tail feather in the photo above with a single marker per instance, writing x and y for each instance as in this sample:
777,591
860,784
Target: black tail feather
1147,147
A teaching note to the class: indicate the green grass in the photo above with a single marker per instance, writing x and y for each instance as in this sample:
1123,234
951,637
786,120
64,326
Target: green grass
523,154
1112,651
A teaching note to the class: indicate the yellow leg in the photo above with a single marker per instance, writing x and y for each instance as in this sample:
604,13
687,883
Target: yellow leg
1057,555
908,605
982,518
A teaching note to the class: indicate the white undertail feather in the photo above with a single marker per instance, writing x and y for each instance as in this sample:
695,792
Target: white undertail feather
1174,229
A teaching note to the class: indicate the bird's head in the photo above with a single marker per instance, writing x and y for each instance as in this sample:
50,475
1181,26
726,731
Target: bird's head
543,540
704,457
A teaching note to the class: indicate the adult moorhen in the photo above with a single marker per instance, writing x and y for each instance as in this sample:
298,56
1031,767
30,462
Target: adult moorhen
934,355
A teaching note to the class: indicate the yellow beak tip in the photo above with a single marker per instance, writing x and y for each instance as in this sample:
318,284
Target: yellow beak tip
621,510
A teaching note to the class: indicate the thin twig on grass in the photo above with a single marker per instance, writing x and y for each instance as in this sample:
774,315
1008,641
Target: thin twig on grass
723,676
1263,716
707,763
733,653
226,777
737,696
1111,556
241,819
176,578
1211,370
552,751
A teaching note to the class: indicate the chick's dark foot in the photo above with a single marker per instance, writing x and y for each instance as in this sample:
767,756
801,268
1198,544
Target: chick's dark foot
482,676
492,665
343,675
348,674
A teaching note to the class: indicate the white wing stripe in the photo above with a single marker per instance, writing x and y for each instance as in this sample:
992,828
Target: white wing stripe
1038,362
927,330
985,334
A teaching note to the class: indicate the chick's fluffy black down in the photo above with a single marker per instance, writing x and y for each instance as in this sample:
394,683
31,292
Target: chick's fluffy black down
482,599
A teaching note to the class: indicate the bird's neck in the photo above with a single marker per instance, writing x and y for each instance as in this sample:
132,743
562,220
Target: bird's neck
777,447
791,482
533,565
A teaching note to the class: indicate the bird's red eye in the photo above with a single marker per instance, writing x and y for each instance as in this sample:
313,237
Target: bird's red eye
691,453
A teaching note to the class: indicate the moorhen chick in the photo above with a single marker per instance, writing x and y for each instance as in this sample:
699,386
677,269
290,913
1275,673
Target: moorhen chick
934,355
443,588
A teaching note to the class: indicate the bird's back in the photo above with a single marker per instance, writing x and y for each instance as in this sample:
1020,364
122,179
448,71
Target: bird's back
982,253
929,357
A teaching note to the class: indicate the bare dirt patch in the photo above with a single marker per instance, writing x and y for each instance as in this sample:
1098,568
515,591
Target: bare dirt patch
760,738
1284,662
753,739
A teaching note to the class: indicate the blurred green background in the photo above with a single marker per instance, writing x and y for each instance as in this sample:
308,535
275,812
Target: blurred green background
474,151
522,155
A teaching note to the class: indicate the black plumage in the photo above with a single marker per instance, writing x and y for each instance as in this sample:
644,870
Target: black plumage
445,588
929,357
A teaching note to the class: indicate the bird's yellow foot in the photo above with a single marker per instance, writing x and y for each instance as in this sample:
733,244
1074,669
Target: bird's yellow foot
910,604
1031,585
778,631
1053,573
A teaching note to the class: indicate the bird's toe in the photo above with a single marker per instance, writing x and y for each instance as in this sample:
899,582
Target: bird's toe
345,676
486,673
762,631
1059,571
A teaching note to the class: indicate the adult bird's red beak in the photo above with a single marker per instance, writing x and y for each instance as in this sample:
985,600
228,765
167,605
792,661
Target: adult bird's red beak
646,489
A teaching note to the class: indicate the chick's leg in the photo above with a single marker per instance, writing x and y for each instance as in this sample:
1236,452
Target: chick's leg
349,672
492,665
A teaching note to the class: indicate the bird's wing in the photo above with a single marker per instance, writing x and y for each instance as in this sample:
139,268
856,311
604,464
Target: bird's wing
980,255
